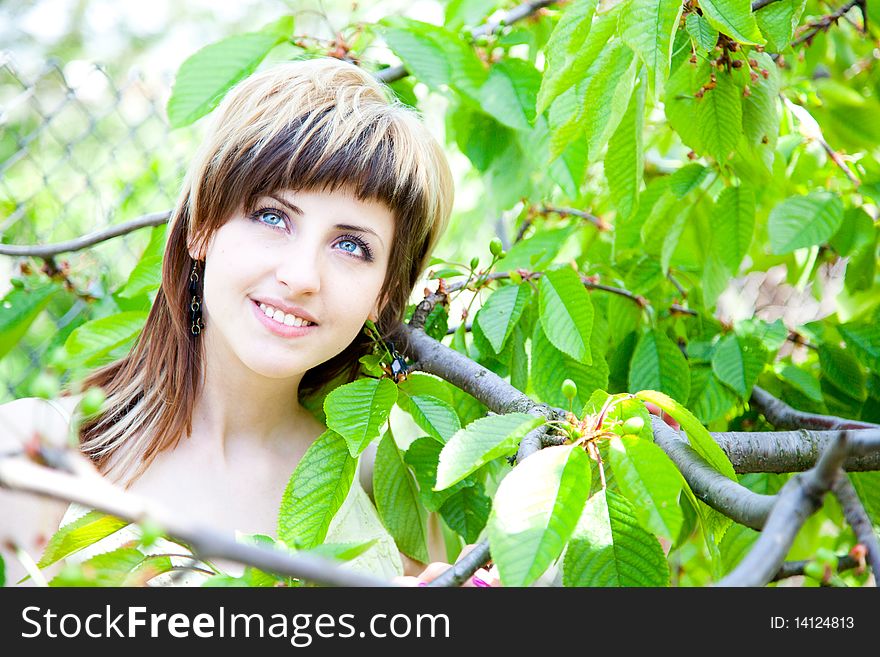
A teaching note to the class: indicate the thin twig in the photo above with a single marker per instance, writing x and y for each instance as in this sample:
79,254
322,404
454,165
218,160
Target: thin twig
50,250
783,416
795,568
464,568
859,521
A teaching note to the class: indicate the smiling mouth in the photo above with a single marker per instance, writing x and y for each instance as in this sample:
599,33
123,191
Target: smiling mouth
279,316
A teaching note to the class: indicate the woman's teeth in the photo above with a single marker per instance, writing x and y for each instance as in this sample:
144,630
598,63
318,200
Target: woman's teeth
282,317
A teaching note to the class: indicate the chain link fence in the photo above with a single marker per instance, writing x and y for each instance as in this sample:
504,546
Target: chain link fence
79,151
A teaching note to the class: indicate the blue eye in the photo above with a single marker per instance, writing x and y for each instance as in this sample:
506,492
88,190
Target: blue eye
267,212
358,242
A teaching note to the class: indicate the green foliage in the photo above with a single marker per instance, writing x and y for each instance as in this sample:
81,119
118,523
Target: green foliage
610,548
357,411
316,490
205,77
535,512
705,158
397,500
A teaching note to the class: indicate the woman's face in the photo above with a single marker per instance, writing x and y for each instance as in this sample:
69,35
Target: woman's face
325,253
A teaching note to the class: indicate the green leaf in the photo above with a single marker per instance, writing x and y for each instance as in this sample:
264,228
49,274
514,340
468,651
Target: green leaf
864,340
315,492
703,33
480,442
205,77
658,364
423,456
687,178
736,544
778,21
842,369
803,381
115,568
91,343
425,385
564,51
738,361
612,81
501,312
719,117
397,500
2,572
435,55
802,221
697,435
734,18
357,410
342,551
79,534
625,160
648,26
606,72
147,273
510,92
18,310
710,399
610,548
682,105
867,485
650,481
555,367
734,224
431,414
566,312
535,511
537,251
467,511
761,107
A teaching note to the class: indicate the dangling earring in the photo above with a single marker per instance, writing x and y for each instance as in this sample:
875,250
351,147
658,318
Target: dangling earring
195,304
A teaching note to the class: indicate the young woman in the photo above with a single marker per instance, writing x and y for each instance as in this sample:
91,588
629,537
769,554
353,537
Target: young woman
312,206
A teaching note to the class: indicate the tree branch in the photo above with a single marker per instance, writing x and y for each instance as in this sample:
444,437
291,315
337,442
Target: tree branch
526,9
798,500
858,519
464,568
795,451
50,250
207,543
795,568
722,494
783,416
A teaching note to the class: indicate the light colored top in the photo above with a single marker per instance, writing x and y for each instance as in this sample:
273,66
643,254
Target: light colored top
356,521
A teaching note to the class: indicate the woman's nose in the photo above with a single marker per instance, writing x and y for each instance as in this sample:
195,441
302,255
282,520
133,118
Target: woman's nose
299,269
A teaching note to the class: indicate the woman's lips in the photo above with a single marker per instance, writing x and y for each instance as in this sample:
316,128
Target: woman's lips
279,329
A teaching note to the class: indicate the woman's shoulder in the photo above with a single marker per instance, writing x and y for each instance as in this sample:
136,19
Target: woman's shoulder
50,418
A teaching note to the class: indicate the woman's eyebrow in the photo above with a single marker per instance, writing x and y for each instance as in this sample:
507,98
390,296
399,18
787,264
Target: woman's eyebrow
297,210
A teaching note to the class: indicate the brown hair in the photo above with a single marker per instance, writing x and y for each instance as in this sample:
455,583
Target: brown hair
309,125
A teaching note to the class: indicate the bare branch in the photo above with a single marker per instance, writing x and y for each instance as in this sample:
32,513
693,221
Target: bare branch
518,13
783,416
798,500
795,568
208,543
795,451
858,519
760,4
50,250
464,568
